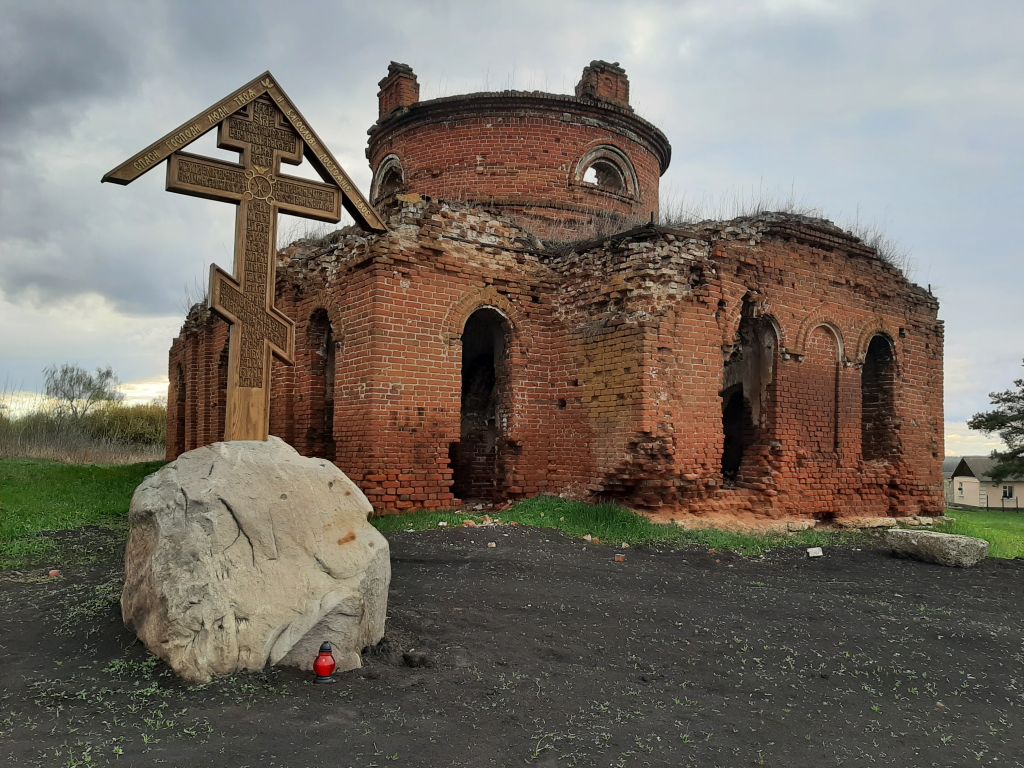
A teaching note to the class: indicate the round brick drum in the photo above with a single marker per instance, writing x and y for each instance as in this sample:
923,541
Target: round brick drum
563,167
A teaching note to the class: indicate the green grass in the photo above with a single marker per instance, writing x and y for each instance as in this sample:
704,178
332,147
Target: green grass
614,525
37,496
1003,530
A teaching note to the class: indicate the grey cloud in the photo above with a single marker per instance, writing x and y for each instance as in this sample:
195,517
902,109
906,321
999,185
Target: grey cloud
905,114
55,57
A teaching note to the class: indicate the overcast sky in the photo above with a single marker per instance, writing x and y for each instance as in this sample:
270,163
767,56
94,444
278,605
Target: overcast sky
906,115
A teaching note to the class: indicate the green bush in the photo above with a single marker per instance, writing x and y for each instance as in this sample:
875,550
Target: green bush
129,424
113,434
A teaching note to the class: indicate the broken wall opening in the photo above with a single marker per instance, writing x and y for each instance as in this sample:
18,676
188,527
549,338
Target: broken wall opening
878,437
748,397
478,459
605,175
322,364
738,430
390,182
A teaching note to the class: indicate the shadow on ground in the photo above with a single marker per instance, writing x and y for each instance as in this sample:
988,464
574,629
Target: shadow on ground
543,651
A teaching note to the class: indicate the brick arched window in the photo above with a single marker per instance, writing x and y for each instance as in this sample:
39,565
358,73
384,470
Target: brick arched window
818,379
607,169
388,178
878,437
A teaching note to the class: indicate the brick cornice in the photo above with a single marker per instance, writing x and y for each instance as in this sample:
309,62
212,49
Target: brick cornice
557,106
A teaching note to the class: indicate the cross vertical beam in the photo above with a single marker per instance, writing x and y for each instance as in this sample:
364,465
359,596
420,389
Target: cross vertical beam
261,123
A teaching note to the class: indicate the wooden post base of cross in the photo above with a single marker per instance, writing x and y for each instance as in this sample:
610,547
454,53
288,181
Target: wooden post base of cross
245,414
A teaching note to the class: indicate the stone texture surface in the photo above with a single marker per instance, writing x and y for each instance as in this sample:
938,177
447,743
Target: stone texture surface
245,554
934,547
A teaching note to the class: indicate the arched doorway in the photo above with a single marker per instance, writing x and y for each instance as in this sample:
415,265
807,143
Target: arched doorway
478,459
738,432
878,440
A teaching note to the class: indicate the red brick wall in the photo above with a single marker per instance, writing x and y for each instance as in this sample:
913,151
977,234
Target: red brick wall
616,365
399,89
814,393
803,286
195,362
604,81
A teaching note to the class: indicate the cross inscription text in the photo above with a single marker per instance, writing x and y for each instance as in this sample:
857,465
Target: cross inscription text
258,330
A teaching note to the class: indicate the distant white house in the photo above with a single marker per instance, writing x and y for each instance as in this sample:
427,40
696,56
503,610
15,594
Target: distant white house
970,484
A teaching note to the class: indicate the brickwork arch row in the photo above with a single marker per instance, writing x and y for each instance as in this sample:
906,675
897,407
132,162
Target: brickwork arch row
323,301
877,326
820,316
481,298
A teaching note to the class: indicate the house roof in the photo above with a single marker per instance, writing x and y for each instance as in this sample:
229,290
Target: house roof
979,467
949,464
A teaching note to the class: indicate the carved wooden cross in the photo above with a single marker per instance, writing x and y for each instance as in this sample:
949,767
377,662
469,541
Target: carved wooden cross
261,123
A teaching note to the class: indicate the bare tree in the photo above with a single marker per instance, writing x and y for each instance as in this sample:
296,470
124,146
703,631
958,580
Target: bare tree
77,391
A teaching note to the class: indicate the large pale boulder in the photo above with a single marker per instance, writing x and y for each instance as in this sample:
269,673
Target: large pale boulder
244,554
934,547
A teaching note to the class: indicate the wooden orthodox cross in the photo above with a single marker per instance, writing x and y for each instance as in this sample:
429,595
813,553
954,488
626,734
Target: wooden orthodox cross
259,121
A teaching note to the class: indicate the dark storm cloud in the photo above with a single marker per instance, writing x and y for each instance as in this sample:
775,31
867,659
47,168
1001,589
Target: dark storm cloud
55,57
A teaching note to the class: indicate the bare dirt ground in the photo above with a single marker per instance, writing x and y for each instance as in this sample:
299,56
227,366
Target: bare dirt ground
543,651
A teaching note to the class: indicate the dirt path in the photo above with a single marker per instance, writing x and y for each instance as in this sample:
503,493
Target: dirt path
542,651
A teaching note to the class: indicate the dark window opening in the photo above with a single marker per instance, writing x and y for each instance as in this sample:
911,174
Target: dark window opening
179,407
390,182
604,174
748,395
322,365
478,459
388,178
739,432
878,402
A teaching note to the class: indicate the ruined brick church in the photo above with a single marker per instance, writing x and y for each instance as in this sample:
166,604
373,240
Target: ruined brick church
525,327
